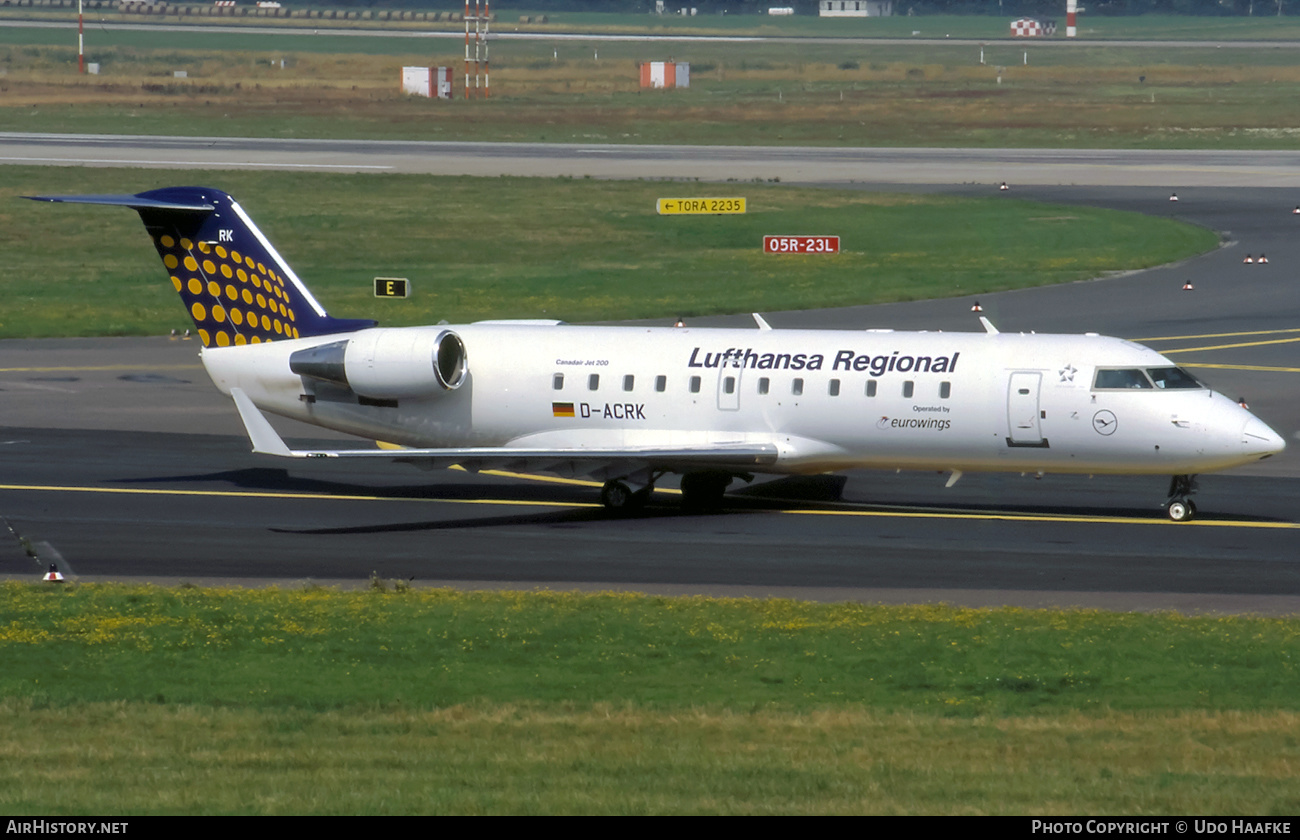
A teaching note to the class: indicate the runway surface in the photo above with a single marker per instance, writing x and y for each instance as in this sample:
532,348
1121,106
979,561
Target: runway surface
1173,170
501,34
122,457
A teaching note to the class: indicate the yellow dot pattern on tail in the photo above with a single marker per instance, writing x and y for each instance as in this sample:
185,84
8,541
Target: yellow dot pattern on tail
232,297
234,284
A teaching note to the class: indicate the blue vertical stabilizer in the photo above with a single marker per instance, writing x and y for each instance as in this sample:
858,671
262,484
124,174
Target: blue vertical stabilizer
236,286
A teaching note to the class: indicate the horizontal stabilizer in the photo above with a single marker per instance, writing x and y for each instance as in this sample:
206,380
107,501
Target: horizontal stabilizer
135,202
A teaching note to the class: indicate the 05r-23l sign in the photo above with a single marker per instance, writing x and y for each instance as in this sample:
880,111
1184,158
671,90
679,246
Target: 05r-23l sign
801,244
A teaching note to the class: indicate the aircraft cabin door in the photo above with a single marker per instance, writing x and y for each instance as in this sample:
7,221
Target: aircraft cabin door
729,388
1023,411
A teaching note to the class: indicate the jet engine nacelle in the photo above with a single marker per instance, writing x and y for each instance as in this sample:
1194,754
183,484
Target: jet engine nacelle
388,364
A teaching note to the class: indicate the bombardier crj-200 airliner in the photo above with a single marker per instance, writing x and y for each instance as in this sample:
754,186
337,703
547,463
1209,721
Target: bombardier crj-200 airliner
629,405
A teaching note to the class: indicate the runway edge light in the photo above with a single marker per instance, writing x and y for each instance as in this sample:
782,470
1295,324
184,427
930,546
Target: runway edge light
53,575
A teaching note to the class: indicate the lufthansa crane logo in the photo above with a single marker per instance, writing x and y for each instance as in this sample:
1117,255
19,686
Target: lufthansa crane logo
1104,422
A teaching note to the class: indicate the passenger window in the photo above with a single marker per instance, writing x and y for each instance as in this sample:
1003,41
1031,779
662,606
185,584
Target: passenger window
908,387
834,388
628,382
557,382
945,390
763,384
661,383
593,382
695,384
729,385
871,387
1125,378
796,387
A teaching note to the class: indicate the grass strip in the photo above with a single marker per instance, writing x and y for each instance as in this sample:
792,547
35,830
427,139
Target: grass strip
321,649
136,699
574,249
139,758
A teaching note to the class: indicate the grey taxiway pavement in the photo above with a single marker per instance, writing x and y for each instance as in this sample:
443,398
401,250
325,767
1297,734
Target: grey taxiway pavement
503,34
1080,167
121,456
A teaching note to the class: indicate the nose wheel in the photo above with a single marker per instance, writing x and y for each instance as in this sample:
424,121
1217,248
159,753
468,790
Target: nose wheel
1179,505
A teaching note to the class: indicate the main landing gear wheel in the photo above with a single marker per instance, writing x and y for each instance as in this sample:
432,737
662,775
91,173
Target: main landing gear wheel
618,497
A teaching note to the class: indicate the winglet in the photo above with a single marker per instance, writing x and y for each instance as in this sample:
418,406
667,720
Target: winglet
265,439
988,326
761,321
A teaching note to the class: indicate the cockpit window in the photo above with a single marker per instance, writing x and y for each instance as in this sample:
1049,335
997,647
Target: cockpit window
1121,378
1172,377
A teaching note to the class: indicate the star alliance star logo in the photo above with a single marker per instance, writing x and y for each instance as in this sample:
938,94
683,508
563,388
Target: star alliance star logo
1067,373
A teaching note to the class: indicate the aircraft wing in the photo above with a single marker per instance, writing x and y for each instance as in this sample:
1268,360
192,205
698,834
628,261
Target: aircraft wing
566,462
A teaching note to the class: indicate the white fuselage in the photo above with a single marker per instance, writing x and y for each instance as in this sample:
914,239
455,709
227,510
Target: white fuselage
828,400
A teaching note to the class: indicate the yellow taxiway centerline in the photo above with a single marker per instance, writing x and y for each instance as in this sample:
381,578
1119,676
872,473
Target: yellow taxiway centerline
266,494
91,368
1217,335
1045,517
579,482
1004,517
1233,346
1264,368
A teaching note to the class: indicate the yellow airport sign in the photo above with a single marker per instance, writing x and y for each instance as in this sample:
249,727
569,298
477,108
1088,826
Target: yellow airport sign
398,287
700,206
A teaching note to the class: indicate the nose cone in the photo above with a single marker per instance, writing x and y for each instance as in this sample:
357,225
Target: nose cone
1260,440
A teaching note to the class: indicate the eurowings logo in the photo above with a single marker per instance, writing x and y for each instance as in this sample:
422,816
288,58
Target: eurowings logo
913,423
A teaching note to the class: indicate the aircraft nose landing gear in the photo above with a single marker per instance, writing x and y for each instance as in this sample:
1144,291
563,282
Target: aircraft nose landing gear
1179,505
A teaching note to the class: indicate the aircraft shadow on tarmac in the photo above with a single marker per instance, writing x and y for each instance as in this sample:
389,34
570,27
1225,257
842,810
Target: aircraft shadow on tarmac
811,493
270,479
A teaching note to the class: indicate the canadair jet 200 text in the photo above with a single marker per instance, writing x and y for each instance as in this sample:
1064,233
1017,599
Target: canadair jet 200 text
628,405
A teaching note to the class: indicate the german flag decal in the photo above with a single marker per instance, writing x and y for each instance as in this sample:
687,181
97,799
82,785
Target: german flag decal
562,409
